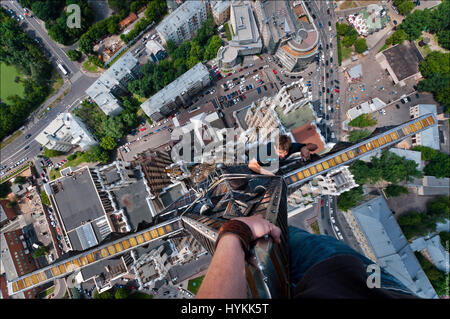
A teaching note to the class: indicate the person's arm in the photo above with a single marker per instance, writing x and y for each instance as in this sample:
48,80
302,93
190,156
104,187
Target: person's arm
255,167
226,273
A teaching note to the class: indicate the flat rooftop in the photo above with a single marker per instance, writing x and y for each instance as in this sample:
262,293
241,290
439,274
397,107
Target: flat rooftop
77,199
296,118
404,60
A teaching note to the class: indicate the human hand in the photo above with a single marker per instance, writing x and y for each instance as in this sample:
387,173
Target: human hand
261,227
305,152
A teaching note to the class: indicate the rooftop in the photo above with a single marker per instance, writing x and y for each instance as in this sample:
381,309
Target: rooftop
390,246
198,73
296,118
429,137
244,23
404,59
355,72
180,16
308,134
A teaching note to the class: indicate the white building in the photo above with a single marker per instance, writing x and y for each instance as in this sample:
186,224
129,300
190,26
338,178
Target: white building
114,83
177,93
245,40
334,182
65,132
183,22
367,107
429,137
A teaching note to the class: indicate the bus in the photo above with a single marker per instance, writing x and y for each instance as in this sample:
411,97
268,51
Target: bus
63,69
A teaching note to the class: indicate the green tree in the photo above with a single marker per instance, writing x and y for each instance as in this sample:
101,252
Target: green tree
113,127
11,203
435,63
20,180
350,198
41,251
104,295
52,153
44,198
439,166
342,28
360,45
108,143
349,40
358,135
122,293
404,6
395,190
74,55
363,120
5,189
399,36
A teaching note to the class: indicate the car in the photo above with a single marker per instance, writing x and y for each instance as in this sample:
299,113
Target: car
417,95
157,130
274,71
408,98
395,22
26,147
260,68
259,90
329,22
142,129
397,106
403,101
28,136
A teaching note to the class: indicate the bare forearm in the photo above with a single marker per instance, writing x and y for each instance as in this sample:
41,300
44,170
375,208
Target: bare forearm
226,274
255,167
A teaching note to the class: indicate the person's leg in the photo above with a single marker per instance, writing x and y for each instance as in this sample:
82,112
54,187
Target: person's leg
307,250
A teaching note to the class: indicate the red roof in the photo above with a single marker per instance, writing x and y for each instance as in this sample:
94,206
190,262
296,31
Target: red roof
10,213
127,20
308,134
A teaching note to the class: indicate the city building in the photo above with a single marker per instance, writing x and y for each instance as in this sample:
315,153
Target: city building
401,62
300,45
65,132
91,203
178,93
369,20
154,265
155,50
6,213
382,241
428,137
153,165
17,260
333,183
113,83
183,22
272,111
104,274
355,73
367,107
430,186
220,10
245,35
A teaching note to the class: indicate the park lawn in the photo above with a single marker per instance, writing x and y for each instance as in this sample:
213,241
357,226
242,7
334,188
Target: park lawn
54,174
194,284
90,67
315,227
346,52
7,85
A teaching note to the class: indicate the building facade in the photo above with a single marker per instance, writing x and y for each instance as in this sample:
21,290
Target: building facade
66,132
183,22
113,83
178,93
220,10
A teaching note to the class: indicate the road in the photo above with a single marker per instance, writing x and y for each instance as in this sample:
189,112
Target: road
327,71
76,83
